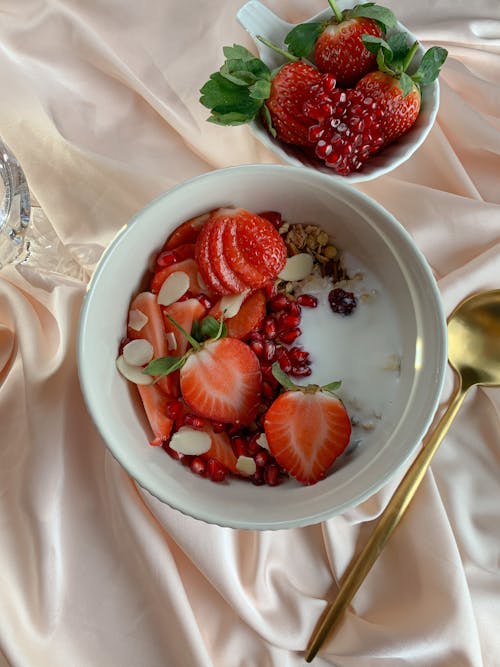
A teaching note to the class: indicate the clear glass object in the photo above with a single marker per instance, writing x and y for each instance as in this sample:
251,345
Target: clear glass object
15,207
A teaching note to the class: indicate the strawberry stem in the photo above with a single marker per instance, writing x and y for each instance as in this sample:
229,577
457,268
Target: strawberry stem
336,11
409,56
277,49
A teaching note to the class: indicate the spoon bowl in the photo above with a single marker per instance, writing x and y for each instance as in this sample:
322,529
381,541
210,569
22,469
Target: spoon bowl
474,354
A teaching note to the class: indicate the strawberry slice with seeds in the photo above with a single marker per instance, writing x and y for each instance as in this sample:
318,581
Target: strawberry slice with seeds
204,259
237,260
221,381
261,244
185,313
249,317
221,449
184,251
155,403
229,279
306,429
187,232
154,332
187,266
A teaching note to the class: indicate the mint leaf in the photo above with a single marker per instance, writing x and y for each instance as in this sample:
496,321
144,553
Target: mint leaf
237,52
281,376
429,68
163,366
331,387
302,39
195,331
210,327
380,14
406,84
260,90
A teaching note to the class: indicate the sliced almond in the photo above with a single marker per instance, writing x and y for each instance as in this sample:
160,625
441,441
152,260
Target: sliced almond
190,441
137,320
173,288
201,283
132,373
297,267
138,352
262,441
246,465
171,341
230,304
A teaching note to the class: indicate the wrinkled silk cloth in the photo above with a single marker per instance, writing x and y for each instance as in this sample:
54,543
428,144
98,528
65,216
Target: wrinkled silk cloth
100,105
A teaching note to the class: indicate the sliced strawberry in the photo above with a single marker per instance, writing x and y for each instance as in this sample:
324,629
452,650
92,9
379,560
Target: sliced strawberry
188,266
231,281
306,432
222,381
249,316
155,403
221,449
260,243
184,313
154,332
187,232
204,259
184,251
237,260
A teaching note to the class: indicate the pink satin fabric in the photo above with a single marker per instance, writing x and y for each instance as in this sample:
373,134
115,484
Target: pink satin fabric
100,104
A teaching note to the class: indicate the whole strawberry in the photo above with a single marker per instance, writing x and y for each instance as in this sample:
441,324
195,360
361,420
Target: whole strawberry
337,44
391,88
245,87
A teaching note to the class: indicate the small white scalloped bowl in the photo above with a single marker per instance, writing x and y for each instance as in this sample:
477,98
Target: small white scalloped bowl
257,19
358,225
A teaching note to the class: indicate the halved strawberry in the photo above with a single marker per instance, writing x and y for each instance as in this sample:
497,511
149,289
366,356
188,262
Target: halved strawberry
221,381
306,429
187,266
187,232
184,313
249,316
231,281
154,332
221,449
155,403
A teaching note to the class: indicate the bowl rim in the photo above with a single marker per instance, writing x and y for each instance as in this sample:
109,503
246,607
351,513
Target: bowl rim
381,480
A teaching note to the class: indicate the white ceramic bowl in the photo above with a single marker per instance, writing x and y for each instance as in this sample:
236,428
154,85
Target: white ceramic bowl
360,226
257,19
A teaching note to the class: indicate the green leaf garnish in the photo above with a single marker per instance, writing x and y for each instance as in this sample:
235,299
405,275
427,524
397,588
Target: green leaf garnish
331,387
210,327
430,65
302,39
370,10
163,366
281,376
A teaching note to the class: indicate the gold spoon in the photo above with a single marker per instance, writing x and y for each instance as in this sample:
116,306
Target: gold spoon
474,353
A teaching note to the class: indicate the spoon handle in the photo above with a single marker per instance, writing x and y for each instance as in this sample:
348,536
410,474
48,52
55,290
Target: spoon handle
387,523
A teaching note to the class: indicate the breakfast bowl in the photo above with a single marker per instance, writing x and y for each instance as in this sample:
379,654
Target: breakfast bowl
390,353
259,20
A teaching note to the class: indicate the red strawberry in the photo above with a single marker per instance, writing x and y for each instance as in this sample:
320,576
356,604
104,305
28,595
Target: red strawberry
248,318
155,403
187,232
204,259
185,313
229,279
237,260
260,244
154,332
221,381
306,429
187,266
337,45
221,449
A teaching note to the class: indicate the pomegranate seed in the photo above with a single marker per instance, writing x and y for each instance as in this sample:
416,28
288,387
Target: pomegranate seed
187,295
165,258
233,430
270,290
288,337
267,390
239,446
257,347
253,446
216,471
293,308
267,375
174,409
261,458
218,427
308,301
268,351
271,474
298,356
269,327
274,218
300,371
258,477
177,456
278,303
205,301
283,360
198,466
256,335
194,421
288,321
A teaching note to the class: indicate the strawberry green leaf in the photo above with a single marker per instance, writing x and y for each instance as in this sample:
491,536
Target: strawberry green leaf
237,52
331,387
219,91
380,14
260,90
246,71
268,120
302,39
164,366
430,66
229,118
373,43
281,376
398,43
406,84
239,77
